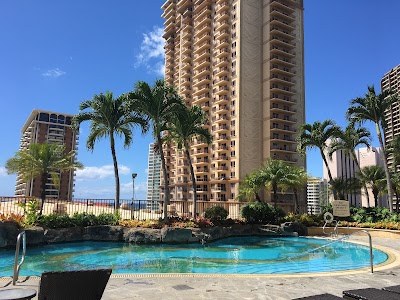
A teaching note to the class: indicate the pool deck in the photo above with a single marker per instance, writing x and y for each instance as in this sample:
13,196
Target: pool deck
275,287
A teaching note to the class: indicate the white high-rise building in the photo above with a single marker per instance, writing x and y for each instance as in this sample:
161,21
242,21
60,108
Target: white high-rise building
317,194
153,179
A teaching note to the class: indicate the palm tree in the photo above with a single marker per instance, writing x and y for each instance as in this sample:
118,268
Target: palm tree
372,108
344,186
183,129
296,179
374,178
347,141
274,173
42,161
158,104
250,187
393,149
108,118
316,135
395,177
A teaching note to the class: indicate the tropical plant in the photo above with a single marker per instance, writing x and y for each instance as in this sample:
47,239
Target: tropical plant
250,187
395,177
216,213
374,178
274,176
393,149
41,161
183,129
108,118
372,108
347,141
296,180
157,104
344,186
316,136
262,212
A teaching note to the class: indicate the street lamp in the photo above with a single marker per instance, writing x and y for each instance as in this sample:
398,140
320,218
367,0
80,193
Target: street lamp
134,175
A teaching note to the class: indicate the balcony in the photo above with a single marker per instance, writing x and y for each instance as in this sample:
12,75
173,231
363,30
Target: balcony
204,37
202,29
222,81
201,6
282,149
221,128
222,91
222,62
222,6
281,80
221,109
201,90
221,119
201,81
202,55
222,16
201,72
201,98
283,6
281,23
281,42
222,34
283,90
277,13
221,100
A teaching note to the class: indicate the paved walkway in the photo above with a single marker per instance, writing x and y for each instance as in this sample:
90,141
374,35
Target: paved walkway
245,287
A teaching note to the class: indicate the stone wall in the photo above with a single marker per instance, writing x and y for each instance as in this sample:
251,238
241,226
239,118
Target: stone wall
39,235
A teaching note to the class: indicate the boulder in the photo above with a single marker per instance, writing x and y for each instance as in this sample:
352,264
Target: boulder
34,235
8,233
142,235
103,233
72,234
290,227
175,235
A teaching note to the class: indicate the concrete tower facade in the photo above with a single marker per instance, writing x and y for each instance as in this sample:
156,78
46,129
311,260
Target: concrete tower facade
53,128
153,179
242,62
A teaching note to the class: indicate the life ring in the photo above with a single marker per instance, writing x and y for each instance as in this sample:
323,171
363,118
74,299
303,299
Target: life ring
328,217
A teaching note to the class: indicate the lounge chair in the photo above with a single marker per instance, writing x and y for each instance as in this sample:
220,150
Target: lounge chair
393,289
73,285
320,297
370,294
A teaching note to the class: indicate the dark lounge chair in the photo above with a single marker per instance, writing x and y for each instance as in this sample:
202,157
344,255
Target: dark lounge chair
393,289
320,297
370,294
73,285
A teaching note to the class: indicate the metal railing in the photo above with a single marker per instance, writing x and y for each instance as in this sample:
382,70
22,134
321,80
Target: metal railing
17,266
339,240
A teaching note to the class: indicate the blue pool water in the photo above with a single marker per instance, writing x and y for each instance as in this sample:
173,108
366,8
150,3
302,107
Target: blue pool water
241,255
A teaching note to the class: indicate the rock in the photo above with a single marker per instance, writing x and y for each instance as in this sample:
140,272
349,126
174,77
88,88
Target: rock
175,235
295,227
8,233
103,233
34,235
142,235
72,234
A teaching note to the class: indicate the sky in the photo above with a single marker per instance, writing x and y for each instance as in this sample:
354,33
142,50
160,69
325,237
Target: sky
55,54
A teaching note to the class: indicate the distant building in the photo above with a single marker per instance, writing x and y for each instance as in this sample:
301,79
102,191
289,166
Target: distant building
53,128
343,166
153,179
317,194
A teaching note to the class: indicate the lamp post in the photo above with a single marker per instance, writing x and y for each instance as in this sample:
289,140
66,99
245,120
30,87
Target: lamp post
133,196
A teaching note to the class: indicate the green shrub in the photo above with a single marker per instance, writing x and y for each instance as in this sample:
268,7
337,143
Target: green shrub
216,213
78,219
262,212
107,219
55,221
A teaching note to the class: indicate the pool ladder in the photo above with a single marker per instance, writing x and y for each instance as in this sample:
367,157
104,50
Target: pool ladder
371,256
17,266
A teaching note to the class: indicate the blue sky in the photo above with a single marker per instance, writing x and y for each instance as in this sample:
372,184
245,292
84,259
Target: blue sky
53,55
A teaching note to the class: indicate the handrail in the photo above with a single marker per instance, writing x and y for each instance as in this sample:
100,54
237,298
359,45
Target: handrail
339,240
335,230
17,266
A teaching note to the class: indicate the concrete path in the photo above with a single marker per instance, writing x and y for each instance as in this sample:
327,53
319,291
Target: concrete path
169,287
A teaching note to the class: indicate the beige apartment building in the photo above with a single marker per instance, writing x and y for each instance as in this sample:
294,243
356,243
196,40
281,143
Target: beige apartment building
242,61
48,127
391,80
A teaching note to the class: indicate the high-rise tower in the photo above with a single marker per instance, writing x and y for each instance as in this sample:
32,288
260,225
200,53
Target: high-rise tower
153,179
391,81
53,128
241,61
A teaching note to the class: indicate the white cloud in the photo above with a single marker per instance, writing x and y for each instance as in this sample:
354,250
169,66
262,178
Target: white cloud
90,173
54,73
151,53
3,171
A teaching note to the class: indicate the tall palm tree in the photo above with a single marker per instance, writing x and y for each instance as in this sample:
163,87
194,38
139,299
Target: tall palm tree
347,141
316,136
344,186
374,178
296,179
372,108
42,161
274,173
183,129
393,149
157,104
395,177
108,118
250,187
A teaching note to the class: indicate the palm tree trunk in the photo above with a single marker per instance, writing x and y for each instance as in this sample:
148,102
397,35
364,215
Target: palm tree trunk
329,173
257,197
385,165
275,189
43,191
397,200
296,201
165,175
114,156
376,198
364,185
194,186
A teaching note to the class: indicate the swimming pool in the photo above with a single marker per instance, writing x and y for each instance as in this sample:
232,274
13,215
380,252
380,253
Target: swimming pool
240,255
